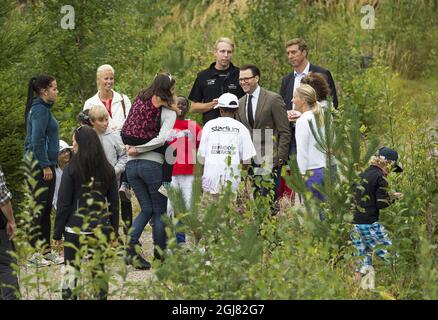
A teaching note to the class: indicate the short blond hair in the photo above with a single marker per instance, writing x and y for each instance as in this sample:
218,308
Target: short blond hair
98,112
100,70
224,39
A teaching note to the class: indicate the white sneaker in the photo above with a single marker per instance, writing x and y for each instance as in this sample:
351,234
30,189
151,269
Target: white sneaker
125,193
37,261
163,190
54,258
368,280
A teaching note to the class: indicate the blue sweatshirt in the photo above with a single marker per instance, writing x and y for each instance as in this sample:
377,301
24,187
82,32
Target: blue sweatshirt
42,133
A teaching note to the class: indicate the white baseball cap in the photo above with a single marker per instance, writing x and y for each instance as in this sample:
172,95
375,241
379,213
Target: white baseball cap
227,100
63,145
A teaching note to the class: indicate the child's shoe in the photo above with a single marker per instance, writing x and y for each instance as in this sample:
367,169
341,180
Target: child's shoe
164,188
125,193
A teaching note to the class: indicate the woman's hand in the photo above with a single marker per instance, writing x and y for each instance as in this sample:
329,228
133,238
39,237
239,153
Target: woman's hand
131,150
48,174
176,109
293,115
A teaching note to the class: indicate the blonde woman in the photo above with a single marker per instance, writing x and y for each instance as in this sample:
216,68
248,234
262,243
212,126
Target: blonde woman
310,159
116,104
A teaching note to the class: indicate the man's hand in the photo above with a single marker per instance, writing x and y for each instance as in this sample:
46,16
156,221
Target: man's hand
11,227
48,174
398,195
214,103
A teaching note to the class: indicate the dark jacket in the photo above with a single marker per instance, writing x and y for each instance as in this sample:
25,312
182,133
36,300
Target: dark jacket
42,133
74,202
371,196
287,85
209,85
286,92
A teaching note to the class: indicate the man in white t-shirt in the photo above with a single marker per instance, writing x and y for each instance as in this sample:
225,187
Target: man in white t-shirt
225,143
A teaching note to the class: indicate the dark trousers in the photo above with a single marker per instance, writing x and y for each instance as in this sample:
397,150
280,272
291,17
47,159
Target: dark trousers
100,281
167,166
9,289
41,221
126,208
274,177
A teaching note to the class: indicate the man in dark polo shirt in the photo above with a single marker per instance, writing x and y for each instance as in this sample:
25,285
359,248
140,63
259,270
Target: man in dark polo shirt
221,77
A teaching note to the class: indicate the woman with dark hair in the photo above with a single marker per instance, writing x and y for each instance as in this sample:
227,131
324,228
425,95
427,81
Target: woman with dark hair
145,161
87,201
42,145
320,85
143,122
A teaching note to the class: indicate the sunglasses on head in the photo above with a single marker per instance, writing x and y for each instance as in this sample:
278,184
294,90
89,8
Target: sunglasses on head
164,73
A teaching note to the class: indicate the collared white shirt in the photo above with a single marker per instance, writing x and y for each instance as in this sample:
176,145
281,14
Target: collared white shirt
118,116
299,77
255,99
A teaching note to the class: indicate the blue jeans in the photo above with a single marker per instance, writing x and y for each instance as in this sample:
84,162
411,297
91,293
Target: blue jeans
145,177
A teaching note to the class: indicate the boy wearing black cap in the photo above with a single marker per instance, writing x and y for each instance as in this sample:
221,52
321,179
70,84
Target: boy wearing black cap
371,196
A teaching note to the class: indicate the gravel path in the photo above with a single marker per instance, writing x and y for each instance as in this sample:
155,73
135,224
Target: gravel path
52,285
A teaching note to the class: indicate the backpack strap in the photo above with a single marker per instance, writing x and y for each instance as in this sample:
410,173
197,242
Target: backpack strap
123,106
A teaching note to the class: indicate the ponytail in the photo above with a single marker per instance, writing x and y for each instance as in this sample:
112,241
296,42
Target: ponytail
30,90
36,84
317,111
307,93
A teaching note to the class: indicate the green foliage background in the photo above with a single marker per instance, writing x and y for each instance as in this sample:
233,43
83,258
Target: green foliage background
395,100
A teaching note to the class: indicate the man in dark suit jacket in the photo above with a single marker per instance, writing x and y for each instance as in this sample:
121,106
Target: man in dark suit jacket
297,54
263,112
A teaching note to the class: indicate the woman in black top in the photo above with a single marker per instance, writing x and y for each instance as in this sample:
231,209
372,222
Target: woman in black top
87,201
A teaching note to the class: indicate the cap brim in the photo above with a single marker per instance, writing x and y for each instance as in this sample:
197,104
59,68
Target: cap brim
229,107
398,168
